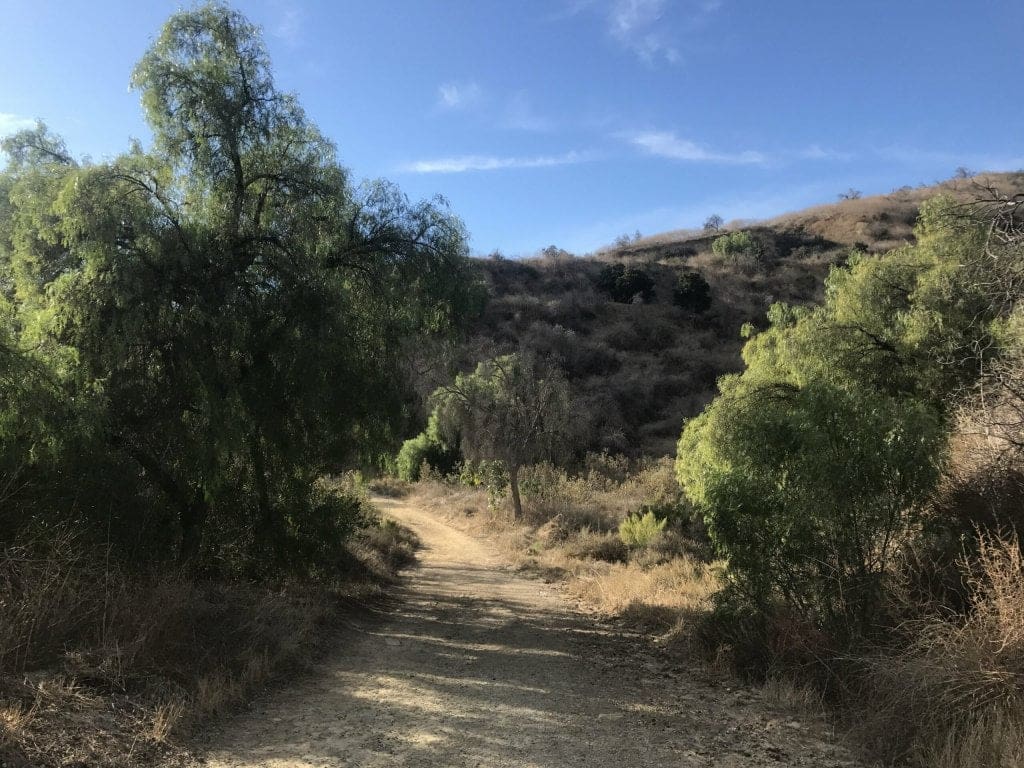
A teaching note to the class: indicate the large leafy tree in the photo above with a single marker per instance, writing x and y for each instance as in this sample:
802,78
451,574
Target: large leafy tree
232,310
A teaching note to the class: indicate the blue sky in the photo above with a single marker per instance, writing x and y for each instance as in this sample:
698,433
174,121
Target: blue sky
570,122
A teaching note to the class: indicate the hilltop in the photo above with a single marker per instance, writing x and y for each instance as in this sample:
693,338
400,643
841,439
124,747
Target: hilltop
641,365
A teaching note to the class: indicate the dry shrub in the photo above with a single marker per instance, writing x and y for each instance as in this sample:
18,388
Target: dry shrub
389,487
682,585
954,695
389,545
593,545
790,695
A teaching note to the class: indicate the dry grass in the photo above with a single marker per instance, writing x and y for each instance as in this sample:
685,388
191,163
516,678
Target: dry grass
952,695
101,666
681,586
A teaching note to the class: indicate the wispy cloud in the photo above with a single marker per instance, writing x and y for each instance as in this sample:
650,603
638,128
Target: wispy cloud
637,25
10,123
287,25
817,152
667,144
465,163
458,95
653,30
521,115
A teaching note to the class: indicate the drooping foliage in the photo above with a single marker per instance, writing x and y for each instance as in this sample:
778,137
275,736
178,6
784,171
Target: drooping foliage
428,447
513,409
211,324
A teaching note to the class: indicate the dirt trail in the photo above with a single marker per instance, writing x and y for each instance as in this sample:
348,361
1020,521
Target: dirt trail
478,666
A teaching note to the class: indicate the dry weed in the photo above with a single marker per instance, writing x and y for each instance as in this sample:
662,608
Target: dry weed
953,695
165,718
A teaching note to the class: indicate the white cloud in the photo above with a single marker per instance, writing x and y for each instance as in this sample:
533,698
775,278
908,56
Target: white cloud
667,144
520,115
10,123
458,96
643,26
465,163
287,25
636,24
816,152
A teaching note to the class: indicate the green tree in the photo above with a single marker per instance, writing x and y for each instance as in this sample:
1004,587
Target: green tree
809,465
513,409
430,447
624,284
231,308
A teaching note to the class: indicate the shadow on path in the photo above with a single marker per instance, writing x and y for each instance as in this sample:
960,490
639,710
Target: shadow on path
477,666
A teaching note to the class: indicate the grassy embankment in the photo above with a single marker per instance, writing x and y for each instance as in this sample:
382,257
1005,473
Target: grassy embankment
103,666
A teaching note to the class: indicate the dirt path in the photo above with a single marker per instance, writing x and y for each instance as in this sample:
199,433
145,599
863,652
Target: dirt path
477,666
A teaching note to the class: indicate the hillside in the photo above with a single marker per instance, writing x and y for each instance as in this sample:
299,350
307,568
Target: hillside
640,368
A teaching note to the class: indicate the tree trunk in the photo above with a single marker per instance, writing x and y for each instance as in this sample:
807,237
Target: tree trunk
192,518
269,531
192,507
513,484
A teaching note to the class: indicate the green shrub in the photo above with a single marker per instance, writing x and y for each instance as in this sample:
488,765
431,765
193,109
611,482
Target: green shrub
425,448
742,250
640,530
623,284
733,242
692,292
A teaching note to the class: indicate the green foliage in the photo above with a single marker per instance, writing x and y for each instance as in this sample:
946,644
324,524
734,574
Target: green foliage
809,466
211,325
692,292
512,409
742,249
429,447
624,284
640,530
733,243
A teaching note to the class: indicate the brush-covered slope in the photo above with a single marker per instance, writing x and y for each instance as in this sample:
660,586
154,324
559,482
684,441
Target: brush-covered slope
640,367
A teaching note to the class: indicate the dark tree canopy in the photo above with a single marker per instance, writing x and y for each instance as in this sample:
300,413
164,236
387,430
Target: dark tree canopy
625,284
692,292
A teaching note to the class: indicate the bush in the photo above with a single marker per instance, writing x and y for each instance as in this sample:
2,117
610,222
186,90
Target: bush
624,284
692,292
425,448
743,250
951,696
640,530
606,547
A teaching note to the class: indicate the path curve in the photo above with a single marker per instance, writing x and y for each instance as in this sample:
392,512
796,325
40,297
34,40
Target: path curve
477,666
